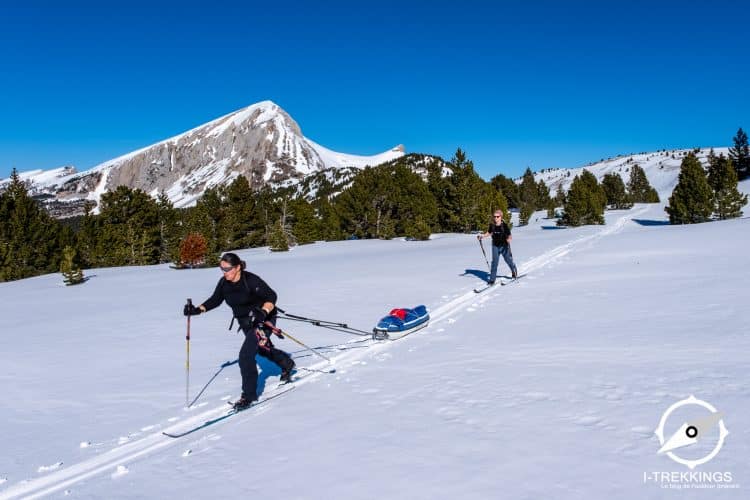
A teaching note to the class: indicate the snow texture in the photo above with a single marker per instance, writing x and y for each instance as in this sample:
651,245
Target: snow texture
551,388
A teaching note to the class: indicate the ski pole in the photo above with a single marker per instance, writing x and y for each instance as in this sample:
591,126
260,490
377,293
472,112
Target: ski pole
281,333
187,360
331,325
228,363
484,253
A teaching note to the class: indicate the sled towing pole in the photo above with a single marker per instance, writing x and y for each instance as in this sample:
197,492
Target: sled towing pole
187,360
282,334
484,253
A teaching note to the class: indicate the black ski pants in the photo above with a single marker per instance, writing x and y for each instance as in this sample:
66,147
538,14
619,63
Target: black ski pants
250,347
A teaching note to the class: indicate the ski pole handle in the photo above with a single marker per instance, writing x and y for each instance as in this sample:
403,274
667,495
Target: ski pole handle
190,303
187,358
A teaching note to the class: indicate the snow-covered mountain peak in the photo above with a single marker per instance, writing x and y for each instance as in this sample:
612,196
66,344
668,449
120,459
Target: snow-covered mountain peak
261,142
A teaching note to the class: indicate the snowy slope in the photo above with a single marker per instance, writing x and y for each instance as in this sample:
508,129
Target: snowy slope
549,388
341,160
662,169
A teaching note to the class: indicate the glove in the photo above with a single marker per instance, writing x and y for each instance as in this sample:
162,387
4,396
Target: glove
191,310
479,236
259,317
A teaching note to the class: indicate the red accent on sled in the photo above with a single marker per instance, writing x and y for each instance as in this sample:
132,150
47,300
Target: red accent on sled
399,313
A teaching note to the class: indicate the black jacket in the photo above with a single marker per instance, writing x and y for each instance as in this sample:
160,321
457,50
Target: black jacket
243,296
499,234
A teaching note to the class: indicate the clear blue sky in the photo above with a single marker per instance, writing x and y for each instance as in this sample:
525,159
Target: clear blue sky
514,84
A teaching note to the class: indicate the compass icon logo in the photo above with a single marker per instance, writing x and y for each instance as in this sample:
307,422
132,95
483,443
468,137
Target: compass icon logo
704,427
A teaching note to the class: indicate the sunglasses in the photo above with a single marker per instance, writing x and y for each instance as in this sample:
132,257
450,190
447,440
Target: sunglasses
226,269
498,216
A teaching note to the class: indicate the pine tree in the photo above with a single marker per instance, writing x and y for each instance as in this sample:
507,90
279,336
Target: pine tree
529,191
238,202
129,228
30,240
714,169
209,217
639,189
598,196
614,189
382,200
585,202
330,222
418,229
740,155
692,199
468,208
543,199
559,200
527,210
86,238
277,238
728,201
509,189
169,237
305,225
72,274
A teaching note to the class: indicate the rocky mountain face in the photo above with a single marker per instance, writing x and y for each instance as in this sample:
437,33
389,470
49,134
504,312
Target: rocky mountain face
261,142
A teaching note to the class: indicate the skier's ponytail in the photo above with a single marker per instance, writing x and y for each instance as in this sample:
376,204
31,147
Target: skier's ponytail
233,260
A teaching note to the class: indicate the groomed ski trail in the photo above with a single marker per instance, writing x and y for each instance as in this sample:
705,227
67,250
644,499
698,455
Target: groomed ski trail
109,460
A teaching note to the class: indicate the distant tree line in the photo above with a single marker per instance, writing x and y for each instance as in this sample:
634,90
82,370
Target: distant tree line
412,196
409,196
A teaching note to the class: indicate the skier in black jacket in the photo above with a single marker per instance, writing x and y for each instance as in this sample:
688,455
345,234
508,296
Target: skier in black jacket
501,238
253,303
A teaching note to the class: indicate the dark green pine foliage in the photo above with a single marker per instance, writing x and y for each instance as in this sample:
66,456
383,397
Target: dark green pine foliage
557,201
363,206
305,224
169,229
208,217
543,199
614,189
418,229
714,169
382,200
329,220
525,214
692,199
548,202
128,228
30,240
470,205
509,189
585,202
639,189
277,238
238,224
90,252
740,155
72,274
529,196
722,177
265,214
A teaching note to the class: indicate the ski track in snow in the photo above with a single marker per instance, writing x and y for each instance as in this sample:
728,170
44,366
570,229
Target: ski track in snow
534,264
128,449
